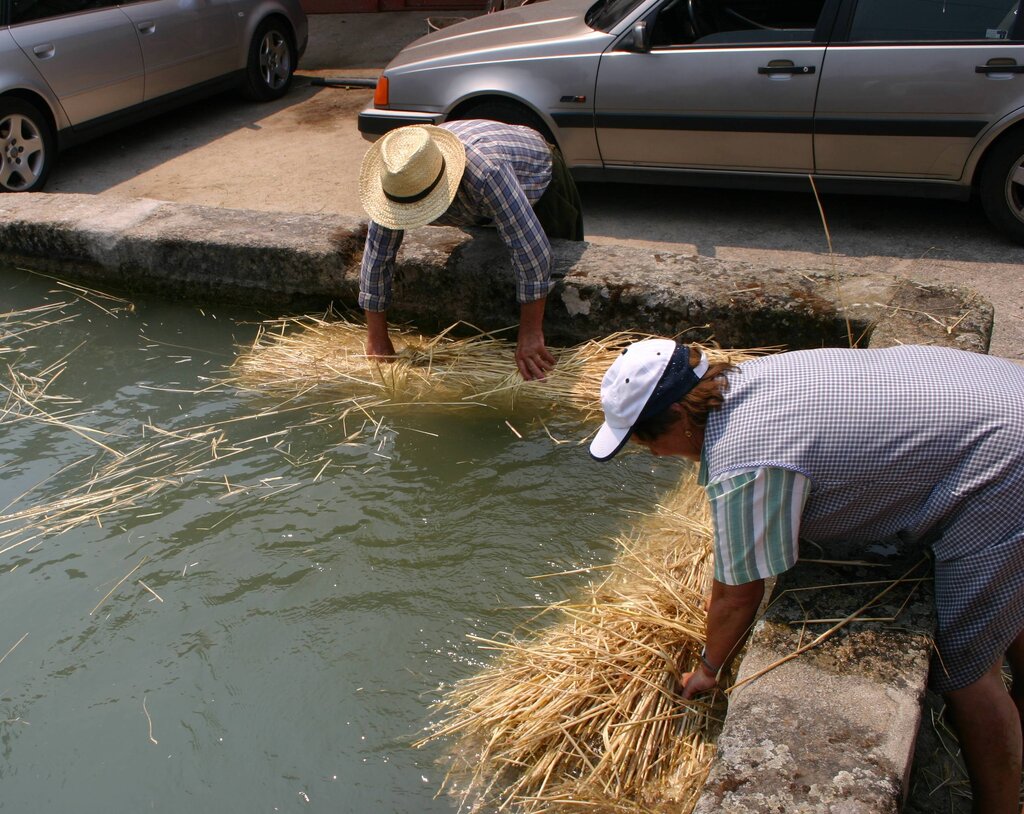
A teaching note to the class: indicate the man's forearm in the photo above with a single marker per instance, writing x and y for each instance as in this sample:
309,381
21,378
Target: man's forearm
531,317
377,267
533,359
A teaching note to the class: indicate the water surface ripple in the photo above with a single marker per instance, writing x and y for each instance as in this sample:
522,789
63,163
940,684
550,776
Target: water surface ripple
313,595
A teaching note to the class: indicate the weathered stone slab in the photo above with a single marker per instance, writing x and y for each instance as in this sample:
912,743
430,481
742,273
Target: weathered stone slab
290,262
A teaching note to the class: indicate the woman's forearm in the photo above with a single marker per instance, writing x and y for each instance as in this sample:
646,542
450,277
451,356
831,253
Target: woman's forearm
730,616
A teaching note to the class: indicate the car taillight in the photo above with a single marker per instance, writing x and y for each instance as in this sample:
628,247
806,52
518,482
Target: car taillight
380,94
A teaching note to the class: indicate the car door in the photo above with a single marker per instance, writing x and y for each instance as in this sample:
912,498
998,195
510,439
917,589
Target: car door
714,91
185,42
909,85
85,50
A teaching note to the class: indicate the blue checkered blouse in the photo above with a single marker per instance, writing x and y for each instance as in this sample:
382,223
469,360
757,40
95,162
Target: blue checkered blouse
920,443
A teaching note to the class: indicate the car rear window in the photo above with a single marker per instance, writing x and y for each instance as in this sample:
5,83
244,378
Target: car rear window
25,11
954,20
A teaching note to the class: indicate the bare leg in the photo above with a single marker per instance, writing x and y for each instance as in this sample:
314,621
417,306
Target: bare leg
989,727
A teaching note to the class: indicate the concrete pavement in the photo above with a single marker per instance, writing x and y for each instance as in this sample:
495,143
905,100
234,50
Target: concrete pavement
302,154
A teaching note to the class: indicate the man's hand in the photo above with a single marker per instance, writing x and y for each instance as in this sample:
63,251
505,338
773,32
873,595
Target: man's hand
380,348
378,340
700,680
533,359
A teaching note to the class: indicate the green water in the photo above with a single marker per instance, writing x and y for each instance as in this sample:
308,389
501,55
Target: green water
315,596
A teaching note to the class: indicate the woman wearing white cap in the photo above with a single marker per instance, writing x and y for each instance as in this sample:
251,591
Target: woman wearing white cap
922,443
468,173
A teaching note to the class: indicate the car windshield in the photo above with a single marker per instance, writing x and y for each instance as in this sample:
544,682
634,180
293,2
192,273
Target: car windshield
604,15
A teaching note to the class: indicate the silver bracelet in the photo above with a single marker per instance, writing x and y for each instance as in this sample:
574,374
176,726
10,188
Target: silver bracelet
708,665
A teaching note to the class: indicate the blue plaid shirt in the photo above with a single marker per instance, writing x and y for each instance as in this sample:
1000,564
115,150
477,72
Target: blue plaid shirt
508,168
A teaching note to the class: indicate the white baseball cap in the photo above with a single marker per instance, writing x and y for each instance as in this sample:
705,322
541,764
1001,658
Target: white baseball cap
648,378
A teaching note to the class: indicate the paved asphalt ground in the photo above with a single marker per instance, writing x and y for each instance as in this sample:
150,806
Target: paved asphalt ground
302,154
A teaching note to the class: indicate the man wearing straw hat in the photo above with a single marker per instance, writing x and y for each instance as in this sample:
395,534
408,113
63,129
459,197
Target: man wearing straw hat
922,443
468,173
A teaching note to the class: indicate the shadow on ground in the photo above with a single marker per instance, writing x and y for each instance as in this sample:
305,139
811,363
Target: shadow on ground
860,226
120,156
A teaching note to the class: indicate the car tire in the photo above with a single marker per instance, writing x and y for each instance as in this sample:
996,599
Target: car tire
28,149
271,65
509,113
1001,186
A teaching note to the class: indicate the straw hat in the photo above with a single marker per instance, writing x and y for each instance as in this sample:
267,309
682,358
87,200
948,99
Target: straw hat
410,177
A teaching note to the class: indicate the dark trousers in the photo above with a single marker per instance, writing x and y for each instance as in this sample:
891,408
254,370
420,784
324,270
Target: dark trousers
559,209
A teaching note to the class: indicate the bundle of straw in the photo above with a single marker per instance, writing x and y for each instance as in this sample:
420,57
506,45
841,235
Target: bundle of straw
298,355
586,714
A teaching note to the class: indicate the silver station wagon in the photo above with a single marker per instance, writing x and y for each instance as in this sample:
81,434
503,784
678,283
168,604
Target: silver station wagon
71,70
916,97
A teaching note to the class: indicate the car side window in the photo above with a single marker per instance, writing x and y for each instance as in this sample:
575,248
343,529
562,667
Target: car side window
933,20
26,11
735,22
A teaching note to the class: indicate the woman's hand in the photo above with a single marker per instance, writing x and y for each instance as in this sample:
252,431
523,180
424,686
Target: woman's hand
700,680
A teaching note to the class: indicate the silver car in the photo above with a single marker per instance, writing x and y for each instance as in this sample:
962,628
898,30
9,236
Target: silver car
917,97
74,69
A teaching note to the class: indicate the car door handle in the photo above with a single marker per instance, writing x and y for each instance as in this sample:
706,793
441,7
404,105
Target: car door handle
148,27
44,51
995,66
791,68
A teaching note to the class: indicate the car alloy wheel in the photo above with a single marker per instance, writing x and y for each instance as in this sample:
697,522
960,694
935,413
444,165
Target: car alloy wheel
268,74
1014,189
1001,185
26,149
275,60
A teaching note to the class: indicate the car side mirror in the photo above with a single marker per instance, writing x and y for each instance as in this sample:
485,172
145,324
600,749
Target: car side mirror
639,39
